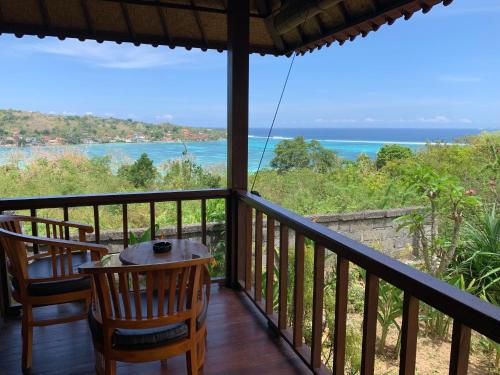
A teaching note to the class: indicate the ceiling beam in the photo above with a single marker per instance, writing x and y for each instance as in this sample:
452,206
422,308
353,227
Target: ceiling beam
45,15
166,4
352,25
86,15
295,13
128,22
199,24
164,24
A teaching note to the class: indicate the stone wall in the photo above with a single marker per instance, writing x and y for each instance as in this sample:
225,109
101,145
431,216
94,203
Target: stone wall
375,228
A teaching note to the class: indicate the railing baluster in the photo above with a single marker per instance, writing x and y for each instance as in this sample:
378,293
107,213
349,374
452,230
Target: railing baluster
269,265
231,248
66,218
152,219
179,219
204,221
341,294
258,256
125,225
283,277
241,250
460,348
97,228
369,324
317,315
248,248
298,292
409,333
34,230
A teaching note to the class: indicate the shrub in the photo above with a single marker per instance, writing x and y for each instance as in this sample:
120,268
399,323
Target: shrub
446,203
392,153
297,153
141,173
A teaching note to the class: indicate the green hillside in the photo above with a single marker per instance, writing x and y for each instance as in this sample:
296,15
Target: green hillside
20,128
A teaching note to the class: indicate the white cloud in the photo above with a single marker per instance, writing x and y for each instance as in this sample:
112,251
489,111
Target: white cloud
166,117
438,119
109,55
335,120
435,120
459,79
371,119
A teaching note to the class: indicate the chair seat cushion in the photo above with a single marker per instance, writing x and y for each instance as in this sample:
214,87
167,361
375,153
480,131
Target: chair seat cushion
134,339
42,268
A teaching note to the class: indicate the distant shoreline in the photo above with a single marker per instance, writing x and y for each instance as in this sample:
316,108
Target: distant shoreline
278,138
13,146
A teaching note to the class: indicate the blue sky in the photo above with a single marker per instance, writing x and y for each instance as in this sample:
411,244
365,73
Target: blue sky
441,69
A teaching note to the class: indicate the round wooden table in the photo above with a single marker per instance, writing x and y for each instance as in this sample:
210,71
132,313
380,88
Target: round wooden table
182,250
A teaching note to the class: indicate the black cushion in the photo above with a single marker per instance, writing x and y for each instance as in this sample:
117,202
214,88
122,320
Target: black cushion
134,339
43,268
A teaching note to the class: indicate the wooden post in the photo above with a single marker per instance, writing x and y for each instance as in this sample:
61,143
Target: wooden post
238,29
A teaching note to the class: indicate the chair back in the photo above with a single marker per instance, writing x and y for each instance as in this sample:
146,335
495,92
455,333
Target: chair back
15,249
58,254
148,296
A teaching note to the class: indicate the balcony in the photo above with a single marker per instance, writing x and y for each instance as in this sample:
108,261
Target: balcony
67,348
263,320
265,273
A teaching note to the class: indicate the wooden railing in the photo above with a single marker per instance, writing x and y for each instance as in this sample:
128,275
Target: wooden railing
468,312
247,216
98,200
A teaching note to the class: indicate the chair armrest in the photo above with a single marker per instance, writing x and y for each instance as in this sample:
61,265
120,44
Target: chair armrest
67,244
67,224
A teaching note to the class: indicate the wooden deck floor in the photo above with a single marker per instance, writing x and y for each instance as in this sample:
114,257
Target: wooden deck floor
238,343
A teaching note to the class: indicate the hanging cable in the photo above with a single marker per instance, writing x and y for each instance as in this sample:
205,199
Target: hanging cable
274,120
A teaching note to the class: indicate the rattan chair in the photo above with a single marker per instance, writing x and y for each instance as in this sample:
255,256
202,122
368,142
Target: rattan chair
50,276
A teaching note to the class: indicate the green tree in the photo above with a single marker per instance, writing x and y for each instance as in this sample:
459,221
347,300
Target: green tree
185,173
141,173
392,152
437,225
297,153
321,159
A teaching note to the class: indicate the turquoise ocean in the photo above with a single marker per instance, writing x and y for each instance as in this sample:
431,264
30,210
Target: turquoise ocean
347,142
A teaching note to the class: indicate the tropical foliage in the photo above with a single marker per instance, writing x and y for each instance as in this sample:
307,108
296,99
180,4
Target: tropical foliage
455,186
390,153
297,153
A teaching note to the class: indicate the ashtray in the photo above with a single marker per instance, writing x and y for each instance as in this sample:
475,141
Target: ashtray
162,247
